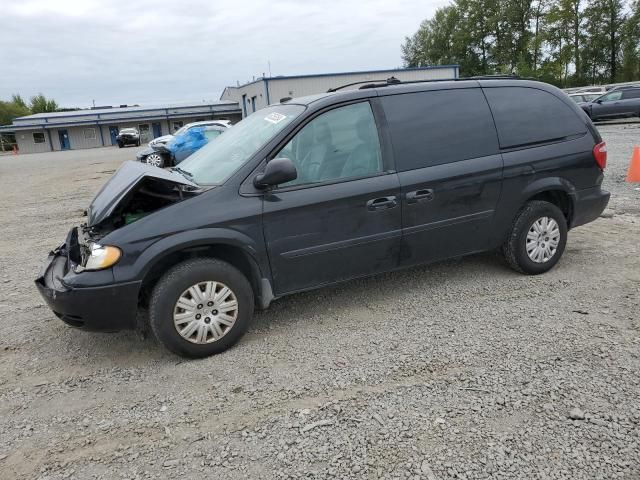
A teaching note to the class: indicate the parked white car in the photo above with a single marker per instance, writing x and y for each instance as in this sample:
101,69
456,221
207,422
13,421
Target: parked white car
167,138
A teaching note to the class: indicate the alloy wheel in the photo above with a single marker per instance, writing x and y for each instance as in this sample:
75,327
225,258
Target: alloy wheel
155,160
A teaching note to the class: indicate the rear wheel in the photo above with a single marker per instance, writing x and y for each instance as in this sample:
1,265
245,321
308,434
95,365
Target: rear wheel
537,239
201,307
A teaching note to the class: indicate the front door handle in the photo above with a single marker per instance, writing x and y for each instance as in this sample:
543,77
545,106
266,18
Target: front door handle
424,195
382,203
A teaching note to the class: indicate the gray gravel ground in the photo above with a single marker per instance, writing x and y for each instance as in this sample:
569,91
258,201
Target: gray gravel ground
463,369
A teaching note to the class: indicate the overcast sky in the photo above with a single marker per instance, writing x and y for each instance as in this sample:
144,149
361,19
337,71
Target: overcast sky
148,52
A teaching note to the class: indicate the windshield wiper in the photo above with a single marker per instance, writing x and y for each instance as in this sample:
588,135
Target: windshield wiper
184,173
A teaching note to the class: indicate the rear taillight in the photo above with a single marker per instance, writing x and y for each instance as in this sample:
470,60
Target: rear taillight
600,154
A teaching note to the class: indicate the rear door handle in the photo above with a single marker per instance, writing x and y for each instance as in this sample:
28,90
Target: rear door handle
424,195
382,203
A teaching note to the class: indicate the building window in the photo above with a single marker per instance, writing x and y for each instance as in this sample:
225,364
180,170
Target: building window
38,137
177,125
89,133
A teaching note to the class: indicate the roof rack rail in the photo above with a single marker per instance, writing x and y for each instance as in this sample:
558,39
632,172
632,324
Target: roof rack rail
494,76
386,83
335,89
394,81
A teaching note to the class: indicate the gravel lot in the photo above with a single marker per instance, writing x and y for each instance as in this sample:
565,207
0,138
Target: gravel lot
463,369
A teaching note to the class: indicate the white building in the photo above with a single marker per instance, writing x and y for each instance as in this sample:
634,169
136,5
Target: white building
264,91
44,132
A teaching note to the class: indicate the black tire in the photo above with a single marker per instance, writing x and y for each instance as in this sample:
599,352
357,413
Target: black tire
119,144
176,281
514,248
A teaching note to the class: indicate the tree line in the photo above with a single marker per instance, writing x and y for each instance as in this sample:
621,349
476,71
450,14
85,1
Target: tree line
17,107
564,42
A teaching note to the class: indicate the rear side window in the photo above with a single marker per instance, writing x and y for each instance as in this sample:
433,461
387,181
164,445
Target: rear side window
436,127
629,94
527,116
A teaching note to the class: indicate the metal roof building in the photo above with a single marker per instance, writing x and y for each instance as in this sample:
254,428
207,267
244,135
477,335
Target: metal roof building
258,94
98,127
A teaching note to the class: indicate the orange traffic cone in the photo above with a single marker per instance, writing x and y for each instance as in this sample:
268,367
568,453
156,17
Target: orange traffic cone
633,174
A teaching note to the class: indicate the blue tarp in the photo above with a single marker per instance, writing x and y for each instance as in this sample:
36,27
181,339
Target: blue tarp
186,143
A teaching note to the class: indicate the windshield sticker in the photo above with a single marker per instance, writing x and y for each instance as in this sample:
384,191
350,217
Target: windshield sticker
275,117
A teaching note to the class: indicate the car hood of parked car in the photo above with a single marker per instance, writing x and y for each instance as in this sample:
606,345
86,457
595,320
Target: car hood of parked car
161,140
127,181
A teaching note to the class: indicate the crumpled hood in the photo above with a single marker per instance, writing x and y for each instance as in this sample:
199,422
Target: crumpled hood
124,180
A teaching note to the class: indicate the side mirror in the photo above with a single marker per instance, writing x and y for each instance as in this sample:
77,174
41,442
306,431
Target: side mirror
599,101
277,171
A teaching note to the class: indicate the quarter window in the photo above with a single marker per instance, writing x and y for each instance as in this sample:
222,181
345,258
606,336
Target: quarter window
341,143
526,116
439,126
38,137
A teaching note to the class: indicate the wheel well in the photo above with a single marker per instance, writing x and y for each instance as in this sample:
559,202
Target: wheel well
227,253
560,199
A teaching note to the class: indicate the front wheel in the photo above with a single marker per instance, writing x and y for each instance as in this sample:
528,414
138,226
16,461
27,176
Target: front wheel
537,239
201,307
155,159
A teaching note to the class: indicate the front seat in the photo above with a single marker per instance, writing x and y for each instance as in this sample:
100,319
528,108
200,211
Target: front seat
318,153
364,159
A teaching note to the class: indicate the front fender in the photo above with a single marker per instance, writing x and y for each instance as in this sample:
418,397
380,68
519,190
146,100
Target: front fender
188,239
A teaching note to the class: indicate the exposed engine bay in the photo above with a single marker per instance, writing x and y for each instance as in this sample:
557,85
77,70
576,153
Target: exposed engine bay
148,196
134,191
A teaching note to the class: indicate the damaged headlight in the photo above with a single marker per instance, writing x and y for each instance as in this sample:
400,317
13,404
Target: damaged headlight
102,257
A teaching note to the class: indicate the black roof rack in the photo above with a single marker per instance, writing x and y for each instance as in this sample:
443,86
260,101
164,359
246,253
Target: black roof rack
394,81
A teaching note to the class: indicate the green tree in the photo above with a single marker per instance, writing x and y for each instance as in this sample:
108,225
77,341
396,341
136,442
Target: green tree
41,104
12,109
630,68
565,42
17,99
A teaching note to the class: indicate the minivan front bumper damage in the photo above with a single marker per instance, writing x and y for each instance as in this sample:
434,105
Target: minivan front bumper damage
72,298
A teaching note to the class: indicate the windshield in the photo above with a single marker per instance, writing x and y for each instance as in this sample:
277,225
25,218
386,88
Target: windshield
217,161
128,130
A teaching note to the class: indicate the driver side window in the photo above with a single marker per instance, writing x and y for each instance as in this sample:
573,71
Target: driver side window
610,97
341,143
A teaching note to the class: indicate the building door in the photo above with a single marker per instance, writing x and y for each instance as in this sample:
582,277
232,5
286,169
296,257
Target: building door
157,129
145,134
253,103
113,132
63,135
